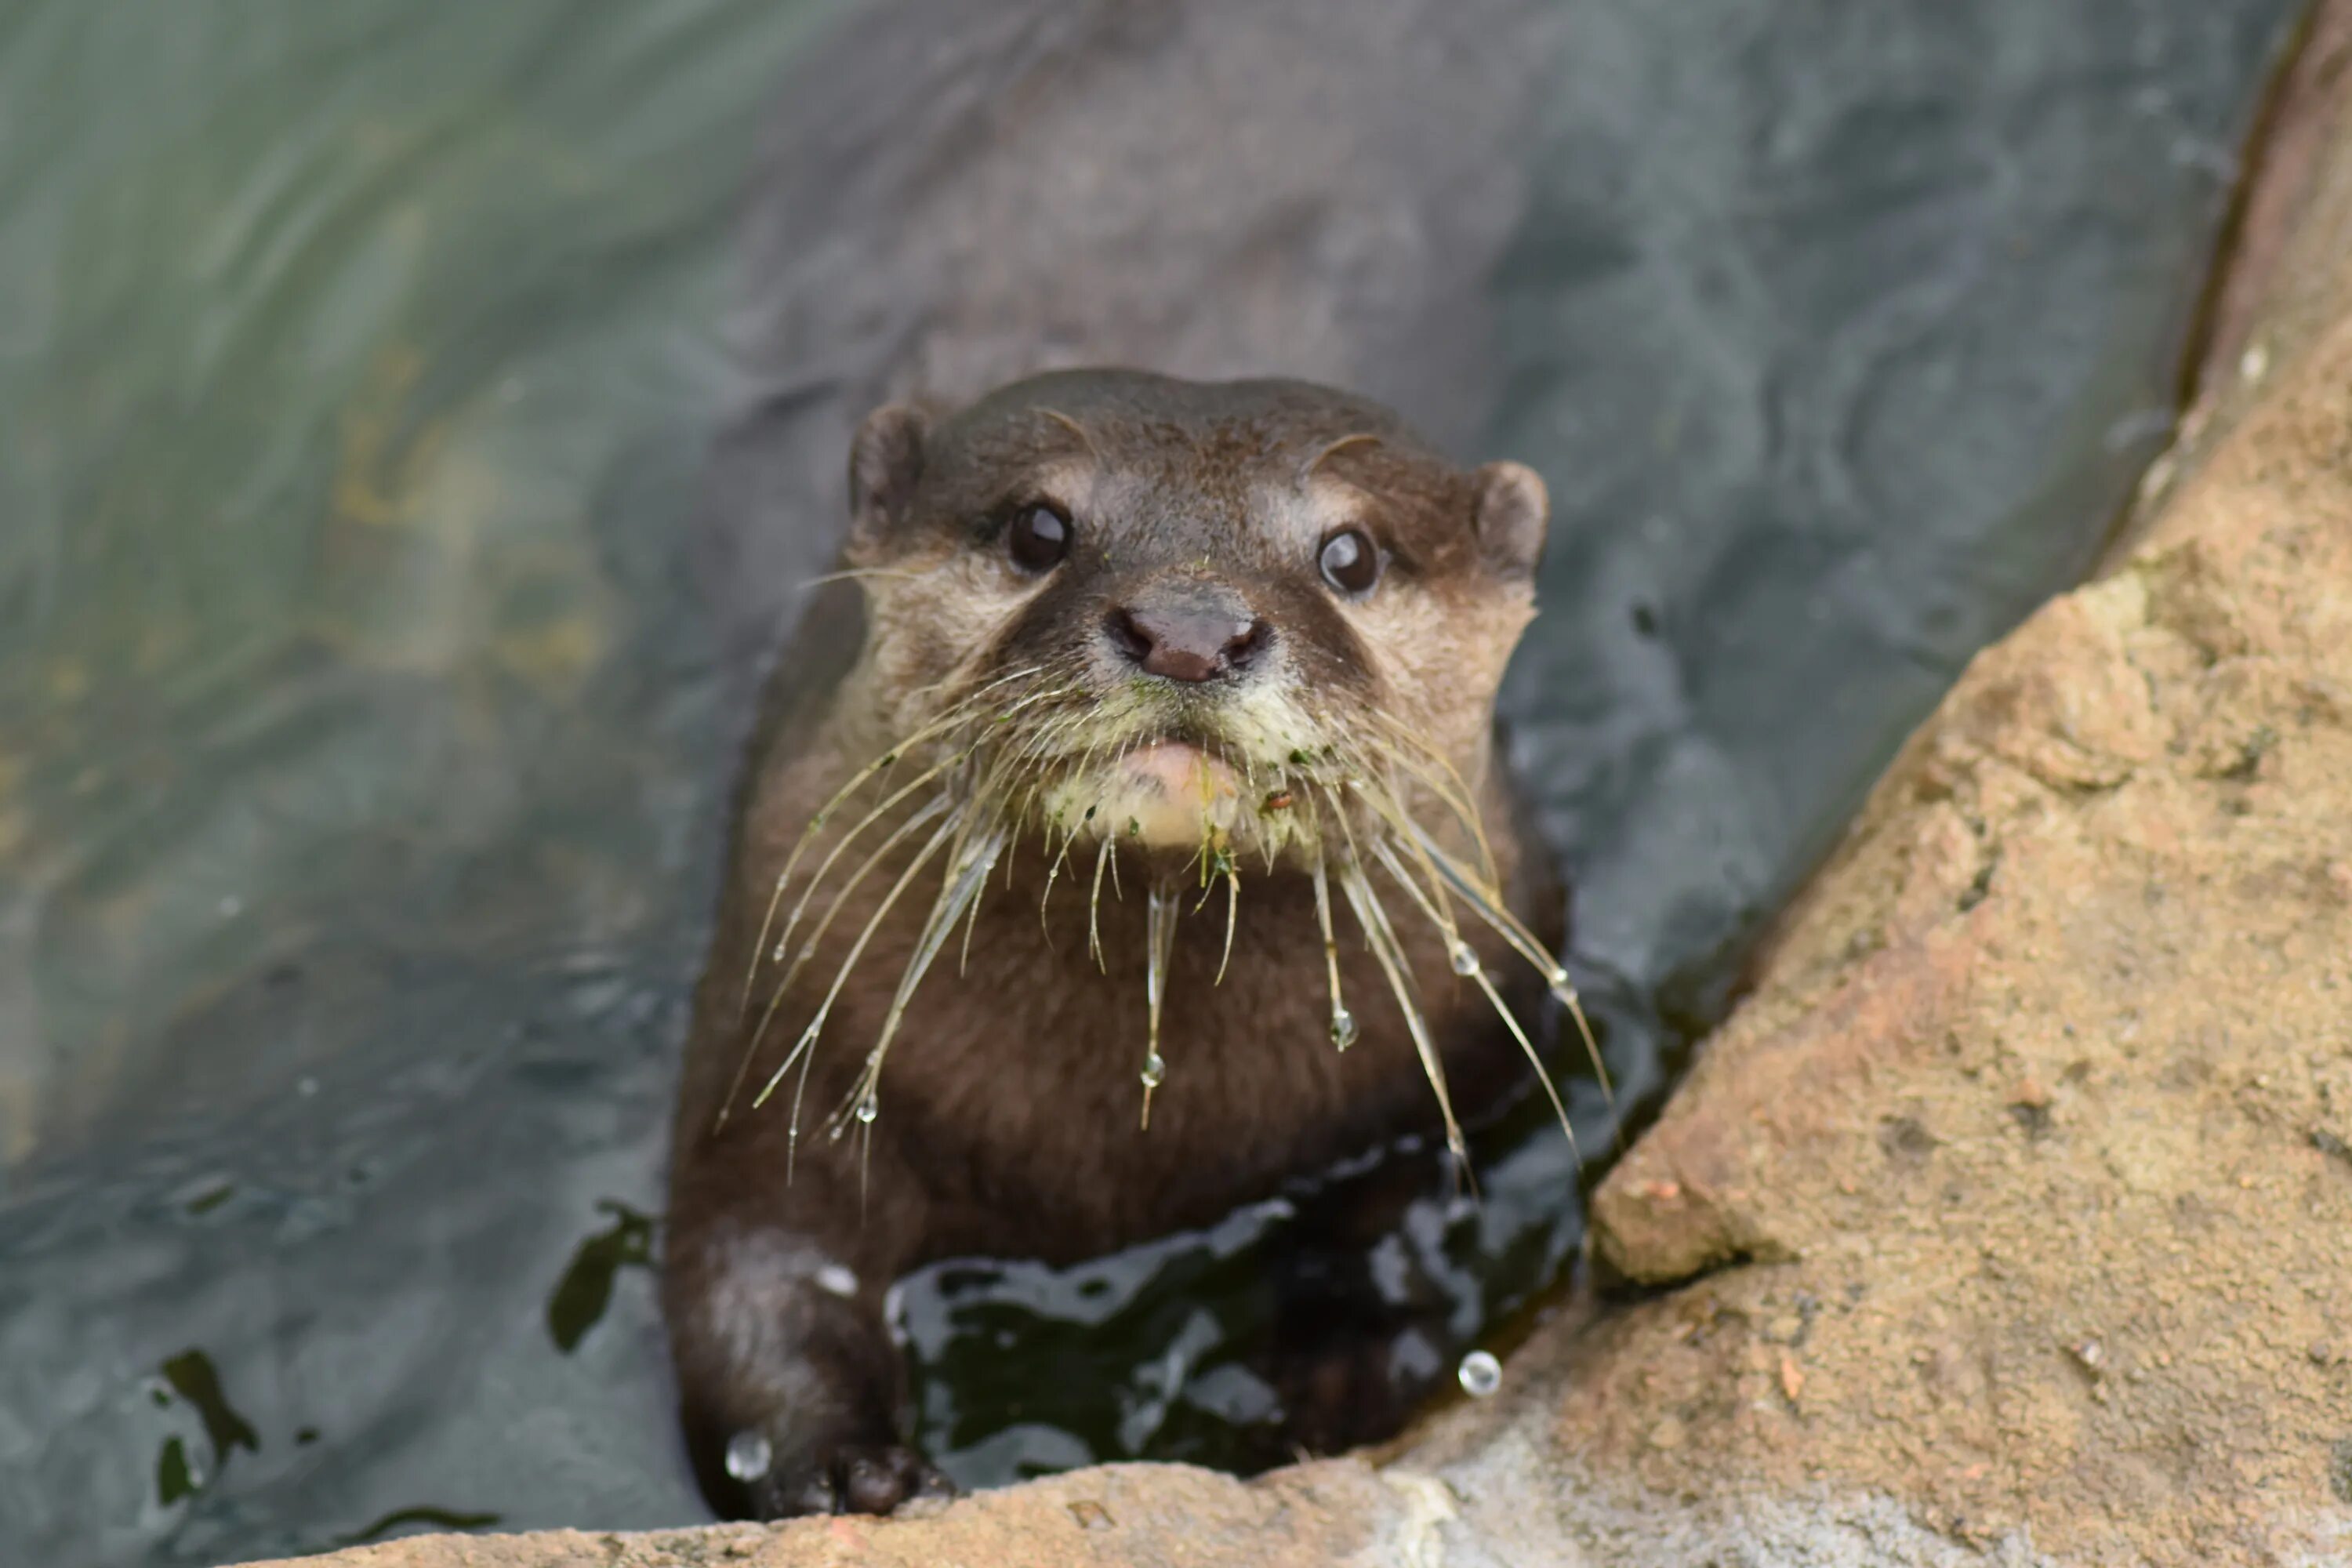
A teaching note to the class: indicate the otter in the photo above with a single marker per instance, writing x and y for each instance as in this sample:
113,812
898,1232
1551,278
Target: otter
1122,835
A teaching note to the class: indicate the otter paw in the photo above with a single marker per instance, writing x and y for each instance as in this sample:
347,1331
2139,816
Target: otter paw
857,1478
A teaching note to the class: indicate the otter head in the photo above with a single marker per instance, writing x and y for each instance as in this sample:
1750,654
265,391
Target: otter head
1196,616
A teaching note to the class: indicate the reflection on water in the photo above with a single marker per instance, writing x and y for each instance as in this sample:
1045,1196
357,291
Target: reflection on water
360,743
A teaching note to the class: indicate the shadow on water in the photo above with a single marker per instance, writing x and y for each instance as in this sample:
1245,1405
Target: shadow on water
363,733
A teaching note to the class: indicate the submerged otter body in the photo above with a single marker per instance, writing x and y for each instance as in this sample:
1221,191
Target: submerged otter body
1137,688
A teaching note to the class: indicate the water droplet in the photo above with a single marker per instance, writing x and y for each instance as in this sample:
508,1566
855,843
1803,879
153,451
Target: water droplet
749,1455
1558,979
1480,1375
778,956
869,1108
1155,1070
1465,960
1343,1027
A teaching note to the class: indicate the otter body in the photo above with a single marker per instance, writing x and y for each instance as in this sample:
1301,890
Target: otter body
1125,665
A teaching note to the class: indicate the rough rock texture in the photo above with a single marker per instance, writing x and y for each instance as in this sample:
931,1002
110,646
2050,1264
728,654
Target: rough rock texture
2009,1220
2037,1138
1123,1514
2041,1132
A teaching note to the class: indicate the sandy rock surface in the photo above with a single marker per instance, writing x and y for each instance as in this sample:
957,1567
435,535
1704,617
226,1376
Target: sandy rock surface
2009,1220
2038,1143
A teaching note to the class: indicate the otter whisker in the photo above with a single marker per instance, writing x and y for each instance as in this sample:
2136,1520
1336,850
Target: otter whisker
961,892
1490,908
1343,1023
1444,781
1383,939
971,923
1094,908
1040,740
1465,961
954,714
824,866
864,1162
972,697
1386,760
1384,851
1070,831
1060,858
1232,911
858,573
928,812
972,916
1429,890
931,847
1402,830
1535,1062
1160,923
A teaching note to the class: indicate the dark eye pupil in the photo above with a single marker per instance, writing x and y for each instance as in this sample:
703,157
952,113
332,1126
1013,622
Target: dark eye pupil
1349,562
1039,537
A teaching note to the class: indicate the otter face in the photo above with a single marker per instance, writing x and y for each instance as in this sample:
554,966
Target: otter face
1190,616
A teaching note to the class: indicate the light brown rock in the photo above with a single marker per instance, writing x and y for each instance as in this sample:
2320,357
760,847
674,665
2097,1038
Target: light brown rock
2038,1123
1119,1514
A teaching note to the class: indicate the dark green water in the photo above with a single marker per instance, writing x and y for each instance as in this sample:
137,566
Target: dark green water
363,730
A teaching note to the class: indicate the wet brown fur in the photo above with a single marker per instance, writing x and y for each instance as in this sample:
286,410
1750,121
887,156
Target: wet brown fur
1008,1105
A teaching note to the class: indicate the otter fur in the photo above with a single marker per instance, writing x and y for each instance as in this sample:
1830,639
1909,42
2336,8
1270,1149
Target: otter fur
1174,701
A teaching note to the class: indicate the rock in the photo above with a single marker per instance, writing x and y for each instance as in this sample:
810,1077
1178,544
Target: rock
1307,1515
2010,1219
2034,1103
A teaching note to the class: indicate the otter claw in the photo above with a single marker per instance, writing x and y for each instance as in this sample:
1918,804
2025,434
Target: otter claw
876,1480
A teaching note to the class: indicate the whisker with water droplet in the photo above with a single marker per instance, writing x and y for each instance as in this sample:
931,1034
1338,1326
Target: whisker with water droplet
1490,908
962,891
1463,959
929,811
1160,924
1388,952
955,714
1343,1023
938,840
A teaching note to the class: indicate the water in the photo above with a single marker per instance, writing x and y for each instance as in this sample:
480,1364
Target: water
363,732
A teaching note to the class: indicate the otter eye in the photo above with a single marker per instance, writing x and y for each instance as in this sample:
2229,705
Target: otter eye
1038,539
1349,562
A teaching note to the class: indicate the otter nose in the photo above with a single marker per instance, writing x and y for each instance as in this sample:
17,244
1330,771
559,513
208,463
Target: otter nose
1189,642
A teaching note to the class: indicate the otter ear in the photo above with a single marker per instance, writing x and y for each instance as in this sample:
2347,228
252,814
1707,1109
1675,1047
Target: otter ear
1513,510
885,461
